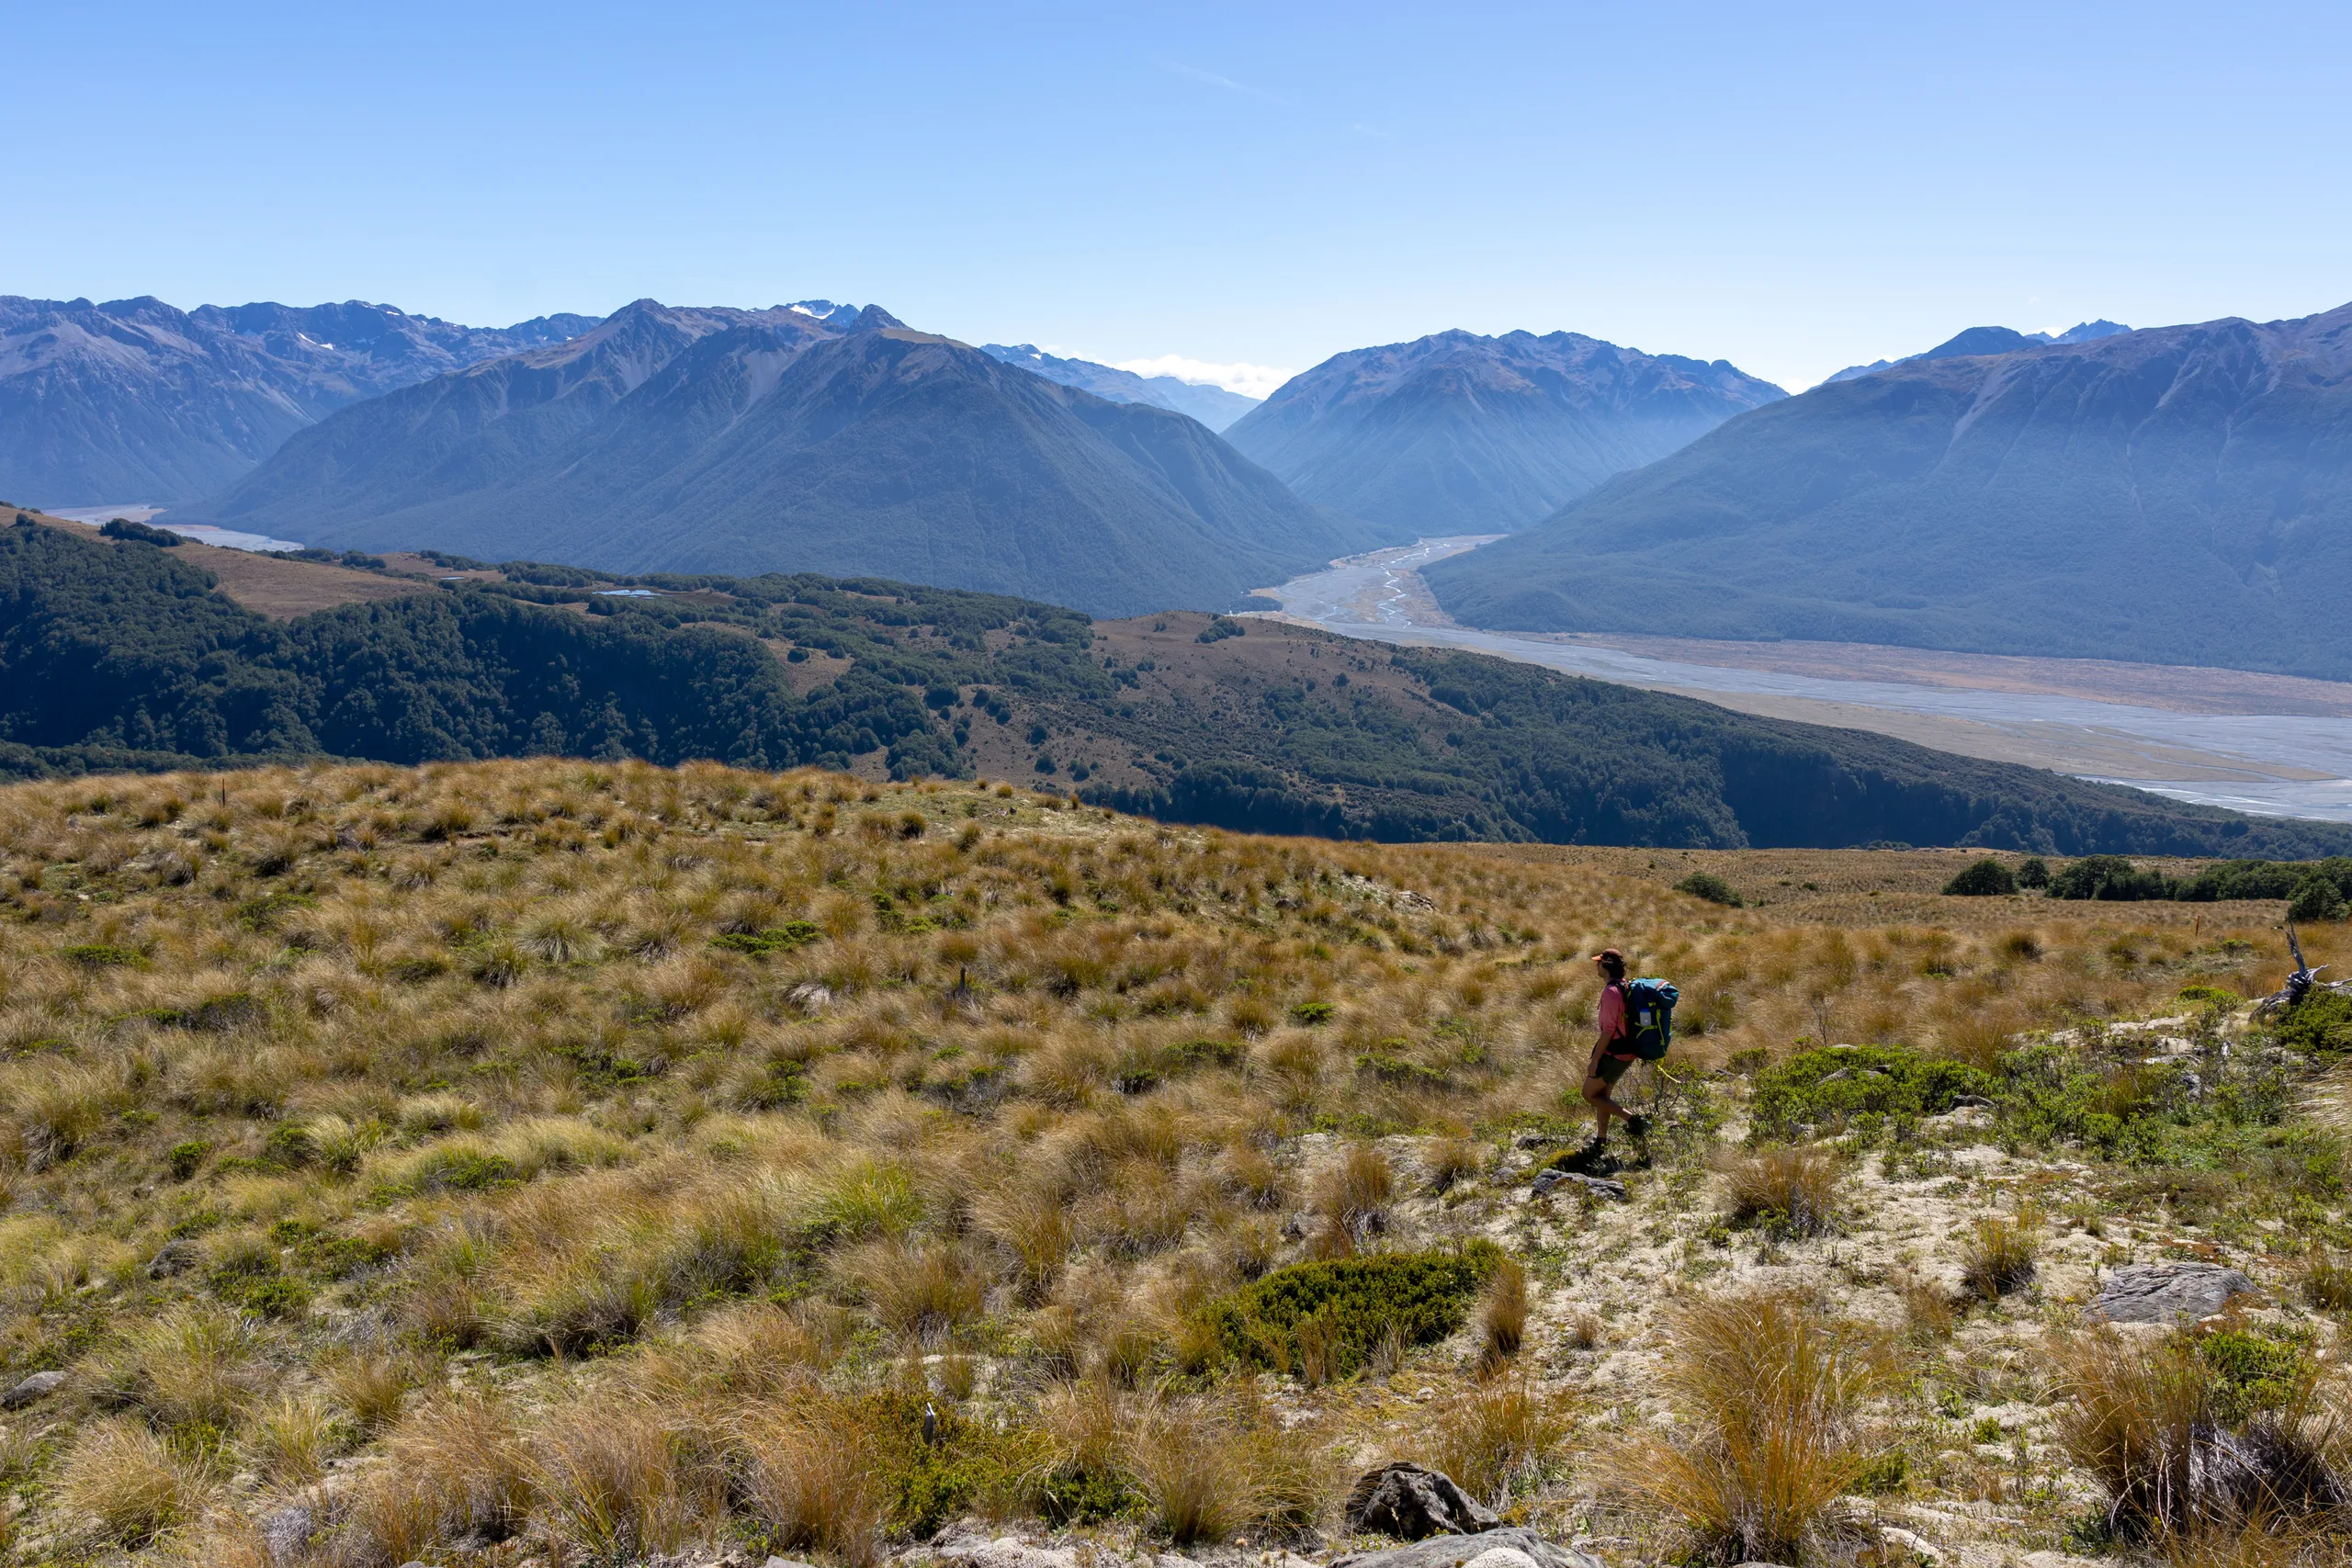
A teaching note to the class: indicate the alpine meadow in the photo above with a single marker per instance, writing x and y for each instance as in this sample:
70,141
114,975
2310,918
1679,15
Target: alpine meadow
589,1161
1470,802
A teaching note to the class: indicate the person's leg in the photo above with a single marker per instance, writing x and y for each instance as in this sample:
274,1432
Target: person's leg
1596,1094
1597,1091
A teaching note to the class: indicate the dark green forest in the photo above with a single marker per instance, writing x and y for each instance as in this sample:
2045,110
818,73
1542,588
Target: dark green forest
120,655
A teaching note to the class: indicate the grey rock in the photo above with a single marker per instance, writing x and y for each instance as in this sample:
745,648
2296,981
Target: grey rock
2167,1292
40,1385
286,1534
176,1256
784,1563
1412,1503
1502,1544
1601,1186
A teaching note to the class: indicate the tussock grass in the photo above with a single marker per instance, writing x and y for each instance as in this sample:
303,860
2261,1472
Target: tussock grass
557,1077
2152,1421
1789,1192
1497,1439
128,1484
2001,1256
1771,1392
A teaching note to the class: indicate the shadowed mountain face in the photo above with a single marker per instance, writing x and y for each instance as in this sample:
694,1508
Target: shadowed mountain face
1213,406
133,400
732,441
2177,496
1458,433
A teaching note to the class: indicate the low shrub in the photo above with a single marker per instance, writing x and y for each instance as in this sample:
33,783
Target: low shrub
1345,1305
1986,878
101,955
2322,1023
774,939
1829,1088
2033,872
2253,1372
1713,888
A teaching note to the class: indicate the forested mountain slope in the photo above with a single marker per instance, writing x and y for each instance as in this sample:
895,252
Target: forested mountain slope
2181,495
120,655
741,442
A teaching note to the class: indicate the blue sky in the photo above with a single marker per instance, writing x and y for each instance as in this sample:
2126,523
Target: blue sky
1794,189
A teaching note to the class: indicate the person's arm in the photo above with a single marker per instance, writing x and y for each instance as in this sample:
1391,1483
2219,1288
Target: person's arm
1612,1024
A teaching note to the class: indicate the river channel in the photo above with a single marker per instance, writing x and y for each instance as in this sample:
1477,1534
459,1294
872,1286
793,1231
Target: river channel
2295,764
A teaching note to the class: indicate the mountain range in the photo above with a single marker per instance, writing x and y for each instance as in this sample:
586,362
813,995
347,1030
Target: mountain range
2180,495
1990,340
1213,406
786,440
1460,433
135,402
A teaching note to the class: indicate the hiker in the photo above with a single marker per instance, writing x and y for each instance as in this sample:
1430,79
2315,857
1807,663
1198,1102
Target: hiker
1610,1057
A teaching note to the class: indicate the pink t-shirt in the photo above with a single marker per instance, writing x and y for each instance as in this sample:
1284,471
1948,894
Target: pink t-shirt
1612,1012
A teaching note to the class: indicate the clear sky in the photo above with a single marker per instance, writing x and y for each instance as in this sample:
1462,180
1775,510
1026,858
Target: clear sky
1791,188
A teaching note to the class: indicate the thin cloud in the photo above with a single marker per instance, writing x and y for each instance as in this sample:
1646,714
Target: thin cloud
1250,380
1195,74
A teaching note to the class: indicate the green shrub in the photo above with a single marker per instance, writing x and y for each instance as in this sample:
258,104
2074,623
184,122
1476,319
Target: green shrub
2316,897
2255,1372
187,1158
1986,878
101,955
1346,1305
776,939
2111,878
1828,1088
1311,1013
2210,996
1713,888
2033,872
141,534
2322,1023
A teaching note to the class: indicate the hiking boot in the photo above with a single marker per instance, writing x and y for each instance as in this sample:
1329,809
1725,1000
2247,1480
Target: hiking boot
1639,1126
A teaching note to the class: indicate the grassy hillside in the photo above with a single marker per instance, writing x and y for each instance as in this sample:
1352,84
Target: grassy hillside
554,1161
2175,496
120,655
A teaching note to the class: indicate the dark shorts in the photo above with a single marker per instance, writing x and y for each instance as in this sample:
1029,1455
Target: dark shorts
1612,1067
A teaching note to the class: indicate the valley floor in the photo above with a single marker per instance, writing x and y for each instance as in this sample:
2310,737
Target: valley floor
2266,744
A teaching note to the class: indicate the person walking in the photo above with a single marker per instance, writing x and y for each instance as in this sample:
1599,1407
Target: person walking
1609,1057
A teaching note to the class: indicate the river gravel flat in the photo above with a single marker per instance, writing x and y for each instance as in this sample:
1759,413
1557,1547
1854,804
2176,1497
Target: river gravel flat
2273,765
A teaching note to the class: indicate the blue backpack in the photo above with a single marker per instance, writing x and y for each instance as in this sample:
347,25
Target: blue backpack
1649,1017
